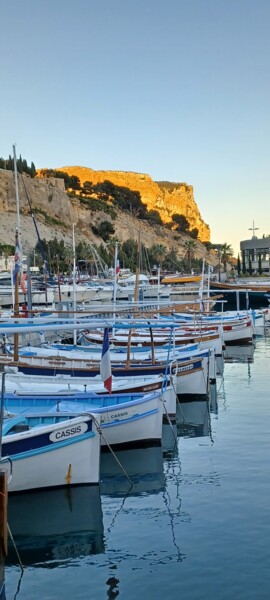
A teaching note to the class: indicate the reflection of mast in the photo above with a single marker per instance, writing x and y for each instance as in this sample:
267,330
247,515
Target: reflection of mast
209,420
213,399
167,501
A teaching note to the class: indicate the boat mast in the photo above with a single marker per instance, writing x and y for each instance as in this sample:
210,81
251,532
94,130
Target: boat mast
115,281
74,281
135,299
17,195
17,247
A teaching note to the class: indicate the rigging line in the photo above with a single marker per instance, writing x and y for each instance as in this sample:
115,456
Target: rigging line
36,227
101,433
15,548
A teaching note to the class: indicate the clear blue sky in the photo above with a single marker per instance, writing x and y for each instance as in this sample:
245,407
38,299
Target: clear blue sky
179,89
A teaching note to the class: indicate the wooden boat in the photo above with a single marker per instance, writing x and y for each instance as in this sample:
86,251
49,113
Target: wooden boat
125,419
181,279
250,294
189,364
234,330
49,451
194,387
161,340
21,383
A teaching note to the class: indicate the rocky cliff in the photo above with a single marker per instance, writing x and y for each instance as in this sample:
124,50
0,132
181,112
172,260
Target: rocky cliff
55,213
166,197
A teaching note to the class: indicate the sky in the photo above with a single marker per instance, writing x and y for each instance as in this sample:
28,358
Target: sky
178,89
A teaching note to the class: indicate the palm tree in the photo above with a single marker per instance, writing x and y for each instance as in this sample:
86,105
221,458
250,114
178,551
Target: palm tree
190,246
159,252
226,254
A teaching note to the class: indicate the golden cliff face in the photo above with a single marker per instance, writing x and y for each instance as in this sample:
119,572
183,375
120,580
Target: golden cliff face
55,212
165,197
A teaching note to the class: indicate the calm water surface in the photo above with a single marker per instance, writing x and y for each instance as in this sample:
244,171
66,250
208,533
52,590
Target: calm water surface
195,525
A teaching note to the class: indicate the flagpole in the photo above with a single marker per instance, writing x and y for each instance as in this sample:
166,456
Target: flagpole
105,362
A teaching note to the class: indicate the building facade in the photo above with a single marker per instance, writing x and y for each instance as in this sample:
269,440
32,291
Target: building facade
255,253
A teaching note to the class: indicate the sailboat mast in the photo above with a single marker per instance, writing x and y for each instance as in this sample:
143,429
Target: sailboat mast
74,280
17,195
136,290
115,281
18,256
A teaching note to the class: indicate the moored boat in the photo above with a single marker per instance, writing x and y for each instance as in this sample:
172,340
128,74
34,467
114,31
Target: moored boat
49,451
125,419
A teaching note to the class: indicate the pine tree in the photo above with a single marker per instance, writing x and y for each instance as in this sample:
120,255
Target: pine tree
33,170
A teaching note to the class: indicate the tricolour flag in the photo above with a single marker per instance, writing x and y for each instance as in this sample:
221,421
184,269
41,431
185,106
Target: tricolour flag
105,363
23,280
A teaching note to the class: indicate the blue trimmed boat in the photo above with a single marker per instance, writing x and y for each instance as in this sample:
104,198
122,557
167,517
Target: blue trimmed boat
52,450
126,419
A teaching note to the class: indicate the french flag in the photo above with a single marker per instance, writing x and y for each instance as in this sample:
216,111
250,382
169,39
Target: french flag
105,363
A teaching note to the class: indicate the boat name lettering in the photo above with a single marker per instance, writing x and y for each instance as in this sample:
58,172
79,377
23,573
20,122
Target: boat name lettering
115,416
67,432
154,386
186,368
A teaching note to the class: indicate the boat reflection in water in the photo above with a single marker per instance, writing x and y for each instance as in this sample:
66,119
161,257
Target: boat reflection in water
144,466
213,396
169,440
193,419
239,353
55,526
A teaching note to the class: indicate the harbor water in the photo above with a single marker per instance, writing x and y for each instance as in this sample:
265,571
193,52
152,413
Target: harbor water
195,525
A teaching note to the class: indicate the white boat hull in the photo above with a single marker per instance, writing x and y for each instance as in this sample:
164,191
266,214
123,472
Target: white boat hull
191,382
132,424
57,465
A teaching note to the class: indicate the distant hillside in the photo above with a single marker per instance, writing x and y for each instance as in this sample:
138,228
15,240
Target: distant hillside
56,211
167,198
